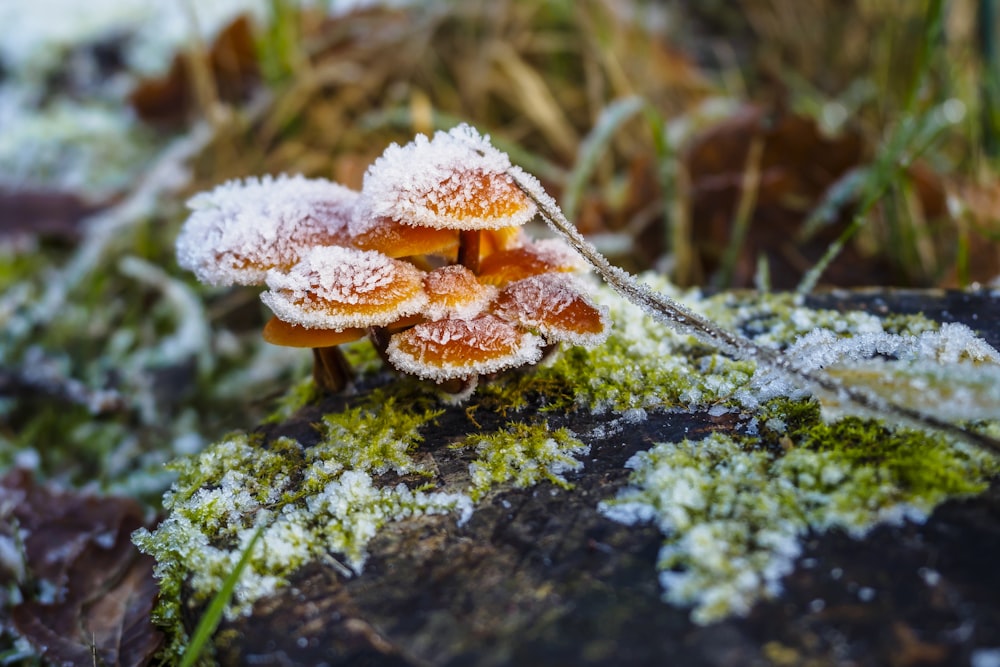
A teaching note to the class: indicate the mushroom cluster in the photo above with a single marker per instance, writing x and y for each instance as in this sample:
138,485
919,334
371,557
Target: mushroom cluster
429,260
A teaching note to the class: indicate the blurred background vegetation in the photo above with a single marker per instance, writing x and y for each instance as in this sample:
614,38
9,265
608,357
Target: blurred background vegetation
777,144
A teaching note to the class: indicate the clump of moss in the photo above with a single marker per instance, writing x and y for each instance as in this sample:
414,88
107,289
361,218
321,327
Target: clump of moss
325,501
733,511
524,455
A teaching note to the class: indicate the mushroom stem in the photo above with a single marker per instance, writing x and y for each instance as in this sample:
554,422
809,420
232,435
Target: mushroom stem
468,249
331,372
379,336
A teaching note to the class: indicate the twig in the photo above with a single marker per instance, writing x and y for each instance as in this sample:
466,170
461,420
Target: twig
673,314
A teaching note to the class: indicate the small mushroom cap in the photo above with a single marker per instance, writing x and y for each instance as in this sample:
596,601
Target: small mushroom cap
340,288
544,256
279,332
457,180
453,291
555,306
504,238
452,349
241,229
396,239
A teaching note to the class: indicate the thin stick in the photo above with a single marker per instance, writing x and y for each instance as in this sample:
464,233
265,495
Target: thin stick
673,314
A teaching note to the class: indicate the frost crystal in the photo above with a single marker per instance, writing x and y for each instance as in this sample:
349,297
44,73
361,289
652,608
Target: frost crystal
338,288
457,180
241,229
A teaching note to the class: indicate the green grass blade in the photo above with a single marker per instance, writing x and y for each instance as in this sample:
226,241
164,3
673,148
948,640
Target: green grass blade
593,146
213,614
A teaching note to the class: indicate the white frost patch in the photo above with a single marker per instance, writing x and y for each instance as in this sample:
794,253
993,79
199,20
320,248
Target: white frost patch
949,373
241,229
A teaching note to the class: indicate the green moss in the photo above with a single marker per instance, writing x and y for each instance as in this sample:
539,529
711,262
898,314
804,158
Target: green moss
733,510
523,454
377,436
325,501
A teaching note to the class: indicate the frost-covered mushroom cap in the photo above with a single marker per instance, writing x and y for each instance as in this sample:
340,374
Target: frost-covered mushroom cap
457,180
555,306
339,288
453,291
544,256
459,349
241,229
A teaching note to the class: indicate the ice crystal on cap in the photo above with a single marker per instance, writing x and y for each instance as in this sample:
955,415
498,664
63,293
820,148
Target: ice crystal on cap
458,349
554,305
453,291
457,180
241,229
530,259
339,288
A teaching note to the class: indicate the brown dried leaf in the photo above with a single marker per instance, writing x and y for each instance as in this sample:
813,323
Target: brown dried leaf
232,60
46,214
80,546
795,166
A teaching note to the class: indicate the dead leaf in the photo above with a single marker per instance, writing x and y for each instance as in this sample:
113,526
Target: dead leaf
43,214
232,60
78,546
796,166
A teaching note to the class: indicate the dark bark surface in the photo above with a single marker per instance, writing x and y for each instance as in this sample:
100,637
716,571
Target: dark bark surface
539,577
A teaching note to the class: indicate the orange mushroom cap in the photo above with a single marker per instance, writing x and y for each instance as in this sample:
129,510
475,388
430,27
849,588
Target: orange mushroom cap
545,256
504,238
453,291
340,288
279,332
242,229
555,306
456,349
395,239
457,180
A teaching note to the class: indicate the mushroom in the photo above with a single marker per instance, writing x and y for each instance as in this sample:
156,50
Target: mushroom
555,306
529,259
342,289
456,349
396,239
453,292
456,181
241,229
330,368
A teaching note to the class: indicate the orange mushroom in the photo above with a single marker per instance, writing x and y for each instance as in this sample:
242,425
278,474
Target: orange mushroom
330,368
462,349
339,288
453,291
345,290
395,239
242,229
456,181
545,256
554,306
